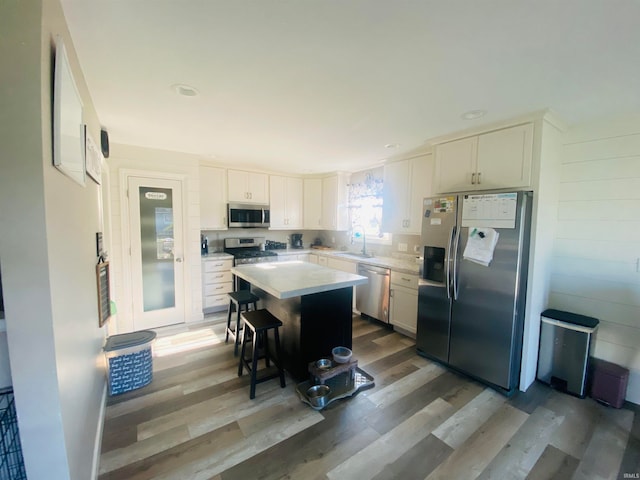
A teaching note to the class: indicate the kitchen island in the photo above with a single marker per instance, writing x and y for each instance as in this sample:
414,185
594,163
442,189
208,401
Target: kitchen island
312,302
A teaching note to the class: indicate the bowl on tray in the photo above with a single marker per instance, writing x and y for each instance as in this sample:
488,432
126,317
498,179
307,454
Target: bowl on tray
318,395
341,354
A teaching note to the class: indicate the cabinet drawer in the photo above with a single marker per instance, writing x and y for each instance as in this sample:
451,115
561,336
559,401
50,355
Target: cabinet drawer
217,265
218,288
404,280
217,277
211,301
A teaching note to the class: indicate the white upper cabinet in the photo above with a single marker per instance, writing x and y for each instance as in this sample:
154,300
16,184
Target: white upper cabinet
406,183
335,212
312,203
213,198
248,187
285,202
494,160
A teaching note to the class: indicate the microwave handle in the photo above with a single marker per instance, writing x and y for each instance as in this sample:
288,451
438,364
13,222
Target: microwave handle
264,215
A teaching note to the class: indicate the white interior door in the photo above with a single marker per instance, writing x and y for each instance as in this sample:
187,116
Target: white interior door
157,248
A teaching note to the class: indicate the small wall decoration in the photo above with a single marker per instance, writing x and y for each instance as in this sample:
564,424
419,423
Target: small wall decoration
68,129
104,294
94,158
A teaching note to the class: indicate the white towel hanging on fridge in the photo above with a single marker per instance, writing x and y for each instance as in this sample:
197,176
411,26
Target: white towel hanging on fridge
480,245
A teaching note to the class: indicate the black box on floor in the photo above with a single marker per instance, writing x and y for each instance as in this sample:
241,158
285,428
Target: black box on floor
609,383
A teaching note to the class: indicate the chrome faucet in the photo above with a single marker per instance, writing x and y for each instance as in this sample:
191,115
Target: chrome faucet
364,238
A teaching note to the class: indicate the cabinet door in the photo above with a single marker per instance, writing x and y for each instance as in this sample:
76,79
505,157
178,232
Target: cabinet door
238,183
258,187
335,213
421,182
395,205
455,168
312,203
277,203
329,207
404,308
213,201
343,265
313,258
504,158
294,202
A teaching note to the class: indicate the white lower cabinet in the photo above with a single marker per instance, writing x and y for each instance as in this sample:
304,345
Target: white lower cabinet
217,281
345,266
404,301
288,257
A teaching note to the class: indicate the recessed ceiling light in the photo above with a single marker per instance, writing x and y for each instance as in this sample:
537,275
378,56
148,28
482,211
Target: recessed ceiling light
185,90
392,145
473,114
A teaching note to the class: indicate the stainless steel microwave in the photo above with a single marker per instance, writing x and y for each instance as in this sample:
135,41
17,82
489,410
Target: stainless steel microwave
247,216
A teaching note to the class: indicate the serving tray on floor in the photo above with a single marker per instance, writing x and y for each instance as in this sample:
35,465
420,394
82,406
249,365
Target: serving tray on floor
342,386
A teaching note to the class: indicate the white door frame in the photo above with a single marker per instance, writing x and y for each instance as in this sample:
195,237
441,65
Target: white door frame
127,307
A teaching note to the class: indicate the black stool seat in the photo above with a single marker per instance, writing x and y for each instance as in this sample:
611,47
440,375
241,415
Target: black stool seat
257,324
238,299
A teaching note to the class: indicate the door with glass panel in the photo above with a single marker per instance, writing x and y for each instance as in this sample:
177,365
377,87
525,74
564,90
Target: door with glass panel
157,266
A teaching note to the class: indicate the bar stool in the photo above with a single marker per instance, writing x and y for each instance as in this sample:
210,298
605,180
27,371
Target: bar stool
239,298
257,325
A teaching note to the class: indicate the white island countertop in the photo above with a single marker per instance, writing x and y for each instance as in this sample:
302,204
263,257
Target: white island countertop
295,278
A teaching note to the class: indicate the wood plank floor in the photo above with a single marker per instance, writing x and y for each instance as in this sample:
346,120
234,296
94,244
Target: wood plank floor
195,421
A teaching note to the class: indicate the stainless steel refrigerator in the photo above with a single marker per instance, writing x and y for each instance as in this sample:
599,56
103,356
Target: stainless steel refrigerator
473,282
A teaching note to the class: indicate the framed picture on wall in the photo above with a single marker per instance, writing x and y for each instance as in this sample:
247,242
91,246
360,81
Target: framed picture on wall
68,129
94,158
104,293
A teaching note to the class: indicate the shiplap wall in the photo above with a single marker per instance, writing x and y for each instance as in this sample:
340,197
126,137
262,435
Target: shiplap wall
150,160
597,245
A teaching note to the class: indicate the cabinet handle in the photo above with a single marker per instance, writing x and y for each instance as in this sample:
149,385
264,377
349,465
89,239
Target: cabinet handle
219,288
473,178
479,173
405,279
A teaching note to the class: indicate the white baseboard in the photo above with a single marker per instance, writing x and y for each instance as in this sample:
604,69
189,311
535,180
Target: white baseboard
98,441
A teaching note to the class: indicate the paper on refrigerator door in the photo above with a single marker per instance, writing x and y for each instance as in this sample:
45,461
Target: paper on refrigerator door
480,245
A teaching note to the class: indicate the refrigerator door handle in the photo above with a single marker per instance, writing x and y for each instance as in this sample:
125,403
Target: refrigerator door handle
448,261
455,264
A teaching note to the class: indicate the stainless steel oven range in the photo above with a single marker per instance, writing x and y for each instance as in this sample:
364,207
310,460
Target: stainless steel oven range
248,250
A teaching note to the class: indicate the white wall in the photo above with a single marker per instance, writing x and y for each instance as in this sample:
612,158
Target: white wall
47,255
152,161
597,245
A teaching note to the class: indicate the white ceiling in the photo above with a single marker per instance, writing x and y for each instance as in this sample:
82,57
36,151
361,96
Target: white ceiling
321,85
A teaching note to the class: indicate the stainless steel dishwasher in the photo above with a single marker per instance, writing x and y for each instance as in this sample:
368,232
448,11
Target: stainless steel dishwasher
372,298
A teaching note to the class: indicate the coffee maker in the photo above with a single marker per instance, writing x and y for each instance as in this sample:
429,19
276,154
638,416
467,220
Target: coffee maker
296,240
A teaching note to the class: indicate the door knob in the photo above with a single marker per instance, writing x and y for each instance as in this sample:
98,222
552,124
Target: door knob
179,260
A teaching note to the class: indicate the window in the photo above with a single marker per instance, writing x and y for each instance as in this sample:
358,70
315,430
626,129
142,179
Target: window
365,202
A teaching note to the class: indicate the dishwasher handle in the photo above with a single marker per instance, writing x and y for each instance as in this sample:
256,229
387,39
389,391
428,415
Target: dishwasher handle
383,272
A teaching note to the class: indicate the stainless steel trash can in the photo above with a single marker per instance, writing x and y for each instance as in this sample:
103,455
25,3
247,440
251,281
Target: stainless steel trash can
565,347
